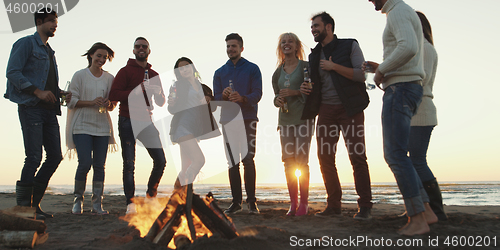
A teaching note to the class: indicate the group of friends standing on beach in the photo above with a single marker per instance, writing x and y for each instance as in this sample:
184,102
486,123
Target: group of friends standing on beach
330,86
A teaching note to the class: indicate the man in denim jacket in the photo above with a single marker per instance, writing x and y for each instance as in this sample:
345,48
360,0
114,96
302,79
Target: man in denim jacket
32,83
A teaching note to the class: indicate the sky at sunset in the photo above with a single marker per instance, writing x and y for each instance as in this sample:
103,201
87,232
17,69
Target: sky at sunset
463,146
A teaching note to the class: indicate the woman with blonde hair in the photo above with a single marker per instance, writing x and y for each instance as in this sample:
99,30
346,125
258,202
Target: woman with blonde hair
295,133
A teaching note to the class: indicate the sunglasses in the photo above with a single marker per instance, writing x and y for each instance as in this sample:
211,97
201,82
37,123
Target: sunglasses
138,46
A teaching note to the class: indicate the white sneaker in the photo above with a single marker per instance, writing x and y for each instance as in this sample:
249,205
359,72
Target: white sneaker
131,209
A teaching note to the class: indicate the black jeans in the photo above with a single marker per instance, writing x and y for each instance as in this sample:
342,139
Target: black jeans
249,167
128,154
40,131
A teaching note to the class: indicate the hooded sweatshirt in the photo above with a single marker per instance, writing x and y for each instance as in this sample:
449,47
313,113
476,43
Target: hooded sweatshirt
127,79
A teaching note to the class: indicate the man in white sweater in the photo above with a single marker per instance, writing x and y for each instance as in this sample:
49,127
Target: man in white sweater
401,76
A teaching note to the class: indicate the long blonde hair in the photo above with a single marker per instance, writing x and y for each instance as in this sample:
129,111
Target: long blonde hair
300,48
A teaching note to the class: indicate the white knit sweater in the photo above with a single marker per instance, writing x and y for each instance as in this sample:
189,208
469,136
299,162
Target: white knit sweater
87,120
403,44
426,113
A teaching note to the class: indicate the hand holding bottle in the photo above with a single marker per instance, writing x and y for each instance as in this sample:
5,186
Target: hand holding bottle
372,75
278,102
103,103
228,90
306,88
368,69
235,97
65,95
284,93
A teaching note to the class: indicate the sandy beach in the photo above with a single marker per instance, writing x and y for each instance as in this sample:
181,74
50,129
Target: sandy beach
272,229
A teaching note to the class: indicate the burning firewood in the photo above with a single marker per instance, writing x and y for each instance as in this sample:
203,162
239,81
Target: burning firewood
213,217
166,216
168,230
188,212
206,217
181,240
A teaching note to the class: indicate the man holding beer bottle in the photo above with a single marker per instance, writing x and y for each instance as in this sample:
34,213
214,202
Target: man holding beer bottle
32,83
137,78
338,97
240,81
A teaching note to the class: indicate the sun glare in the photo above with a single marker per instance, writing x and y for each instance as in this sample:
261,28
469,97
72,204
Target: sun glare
298,173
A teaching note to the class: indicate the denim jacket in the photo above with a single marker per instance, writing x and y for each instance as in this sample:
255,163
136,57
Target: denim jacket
28,65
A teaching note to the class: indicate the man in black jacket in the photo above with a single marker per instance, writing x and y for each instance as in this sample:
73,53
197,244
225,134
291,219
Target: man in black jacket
338,97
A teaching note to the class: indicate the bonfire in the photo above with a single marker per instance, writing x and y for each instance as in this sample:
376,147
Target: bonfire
181,219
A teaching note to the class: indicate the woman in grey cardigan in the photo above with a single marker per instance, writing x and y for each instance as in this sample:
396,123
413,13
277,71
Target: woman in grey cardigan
424,122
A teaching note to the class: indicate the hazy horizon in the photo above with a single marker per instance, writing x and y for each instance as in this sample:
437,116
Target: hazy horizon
463,146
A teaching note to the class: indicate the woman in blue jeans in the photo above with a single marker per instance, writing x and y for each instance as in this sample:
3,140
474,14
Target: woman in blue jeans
89,130
423,122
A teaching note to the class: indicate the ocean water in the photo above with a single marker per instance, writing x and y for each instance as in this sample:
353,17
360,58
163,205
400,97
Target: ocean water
458,193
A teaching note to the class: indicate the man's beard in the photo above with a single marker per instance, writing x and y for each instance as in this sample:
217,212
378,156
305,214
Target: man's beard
378,5
234,56
141,59
320,37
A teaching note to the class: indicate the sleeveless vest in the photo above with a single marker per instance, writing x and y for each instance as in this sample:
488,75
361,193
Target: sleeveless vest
352,94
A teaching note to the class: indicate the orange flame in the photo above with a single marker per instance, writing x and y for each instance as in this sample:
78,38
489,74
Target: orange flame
183,229
148,210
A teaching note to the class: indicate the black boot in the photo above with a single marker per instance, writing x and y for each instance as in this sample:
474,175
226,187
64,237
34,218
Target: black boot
38,192
435,199
24,192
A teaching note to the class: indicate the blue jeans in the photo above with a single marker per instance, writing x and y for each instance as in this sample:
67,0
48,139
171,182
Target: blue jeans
92,152
128,154
400,103
40,128
419,143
